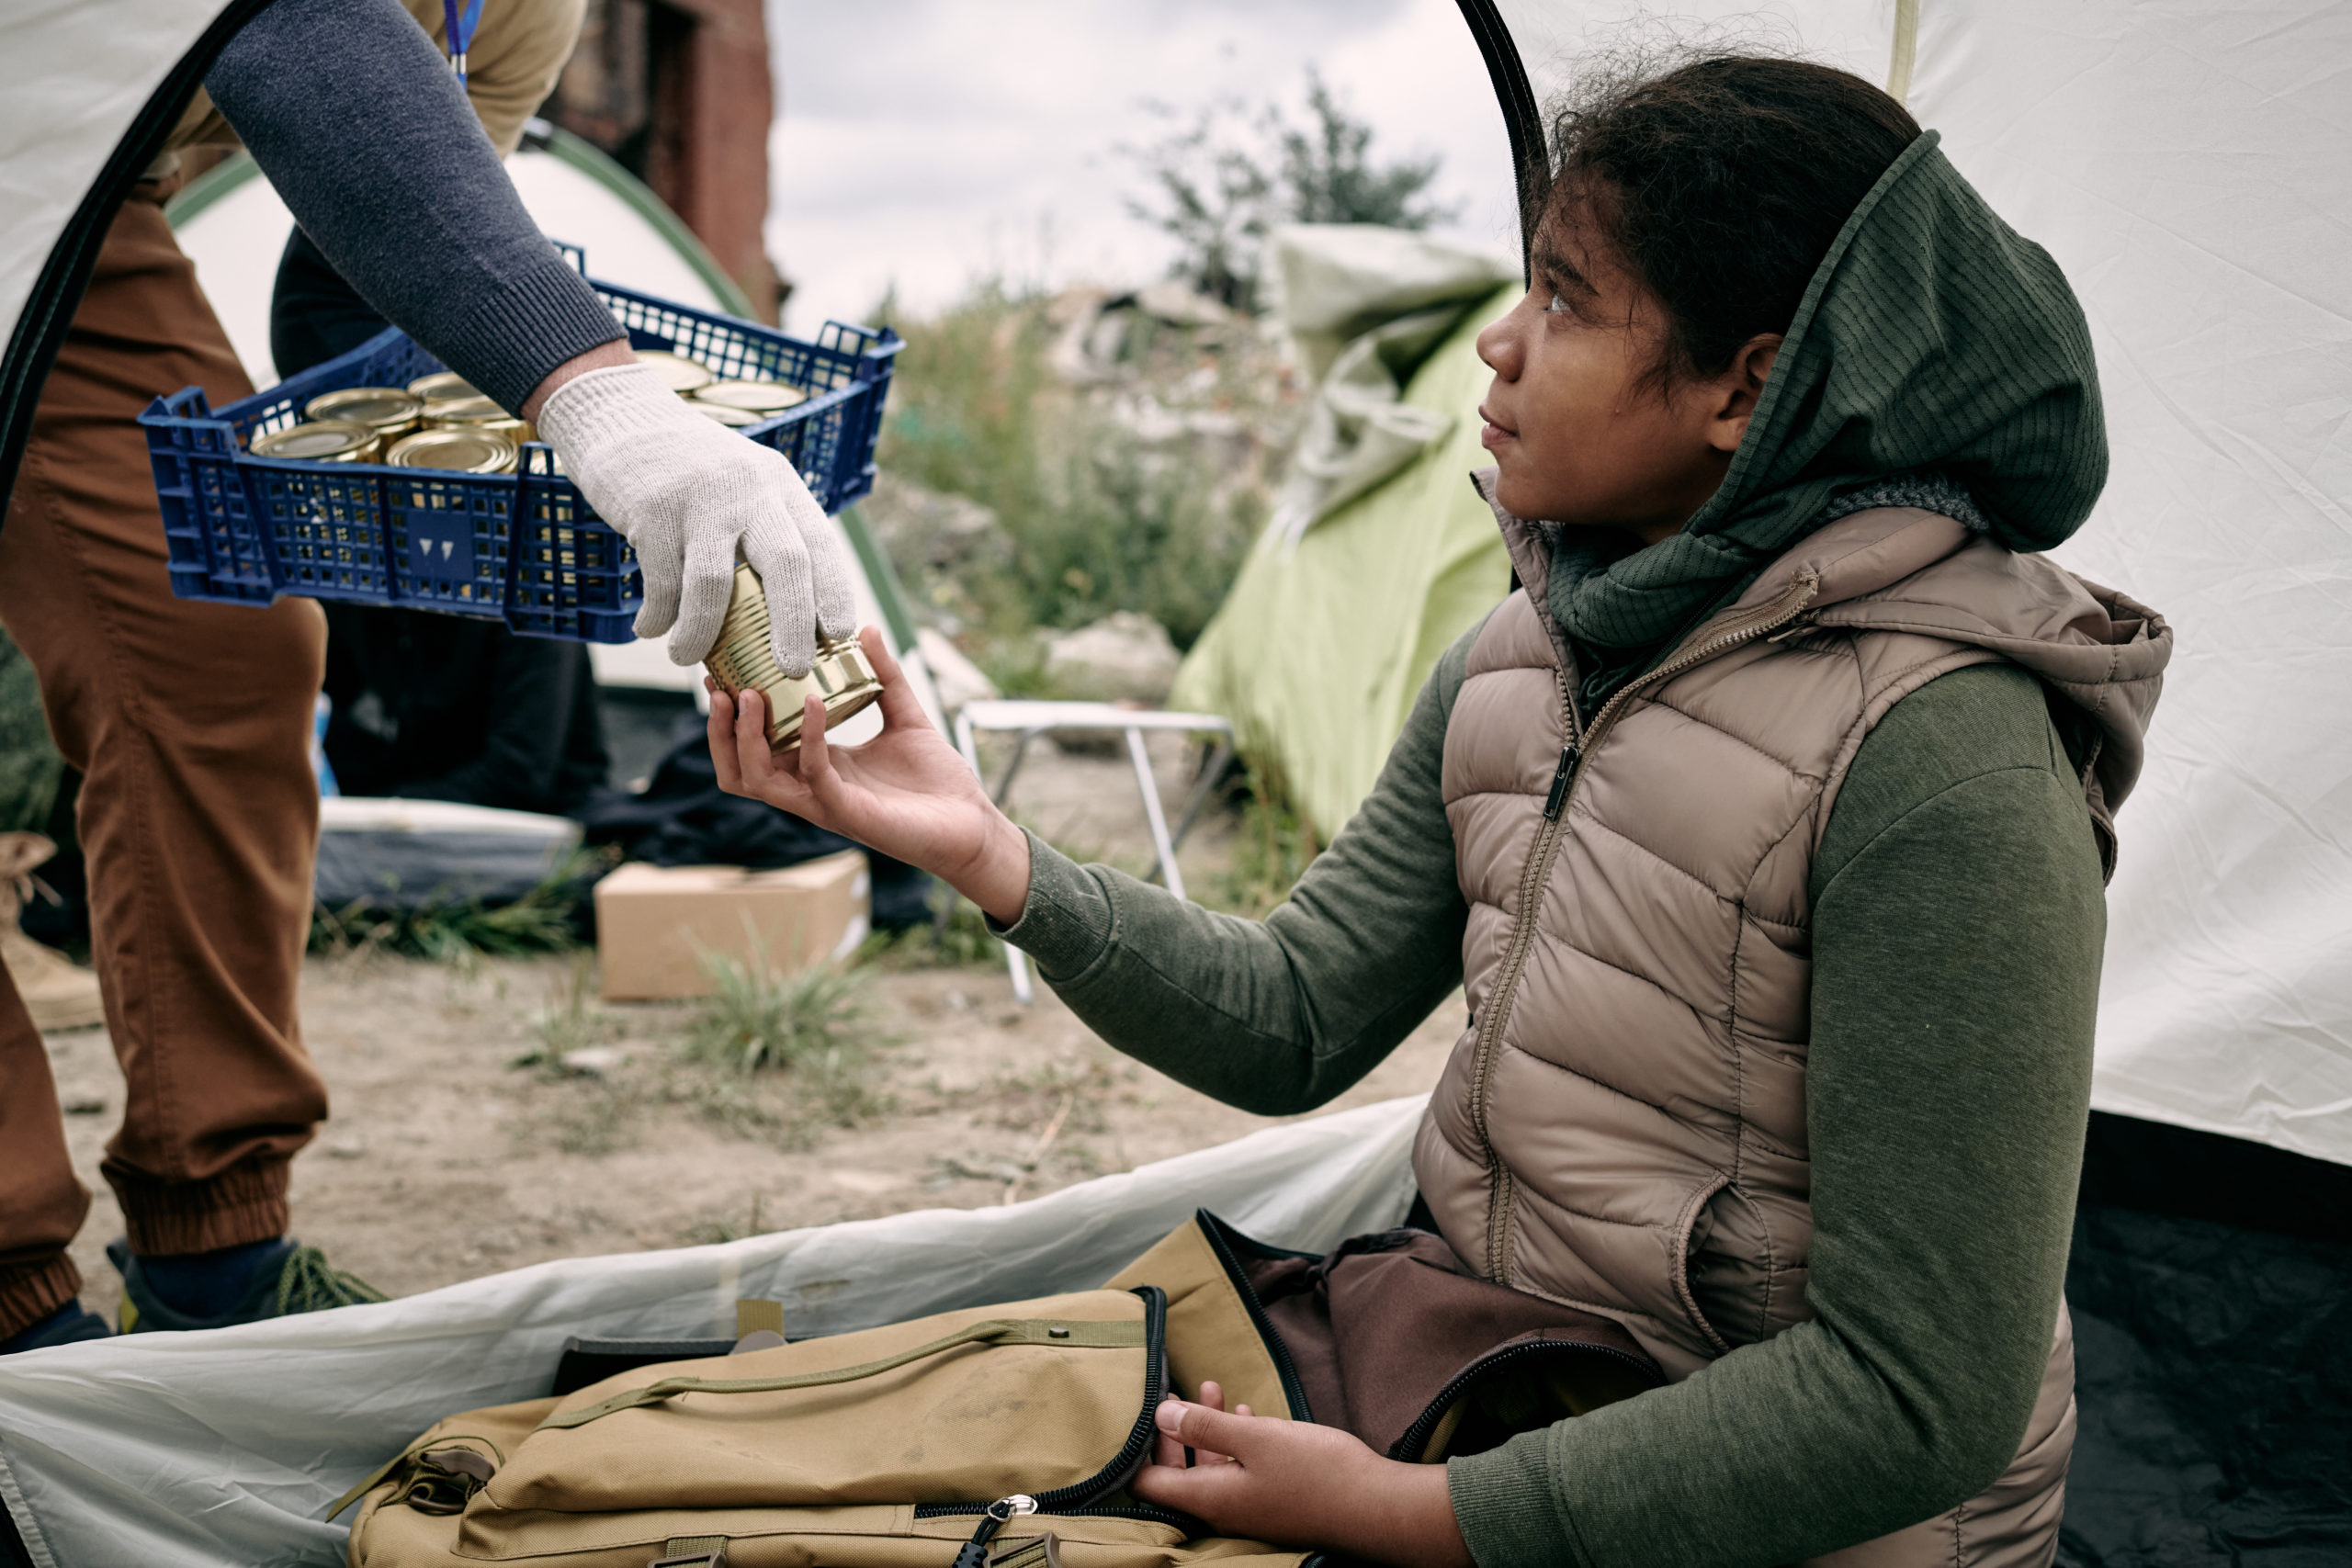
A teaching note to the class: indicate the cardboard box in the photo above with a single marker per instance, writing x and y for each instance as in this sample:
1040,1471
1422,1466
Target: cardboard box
655,922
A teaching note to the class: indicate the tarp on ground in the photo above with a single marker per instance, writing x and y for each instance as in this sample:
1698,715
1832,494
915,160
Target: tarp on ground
1321,647
223,1449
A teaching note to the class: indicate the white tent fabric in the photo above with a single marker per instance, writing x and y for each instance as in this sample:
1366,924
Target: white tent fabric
72,77
2190,167
222,1449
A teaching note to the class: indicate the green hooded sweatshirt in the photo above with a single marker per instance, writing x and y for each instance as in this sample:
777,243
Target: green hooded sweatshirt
1958,921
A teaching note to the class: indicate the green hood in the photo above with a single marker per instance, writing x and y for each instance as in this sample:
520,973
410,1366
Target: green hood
1933,337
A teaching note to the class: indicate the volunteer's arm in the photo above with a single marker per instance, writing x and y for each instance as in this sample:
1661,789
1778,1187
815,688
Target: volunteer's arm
363,128
1275,1017
359,124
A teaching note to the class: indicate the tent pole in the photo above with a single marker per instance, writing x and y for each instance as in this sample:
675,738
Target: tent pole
1521,116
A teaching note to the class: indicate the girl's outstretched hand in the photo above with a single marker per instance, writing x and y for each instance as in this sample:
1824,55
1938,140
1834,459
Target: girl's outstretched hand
1295,1484
906,792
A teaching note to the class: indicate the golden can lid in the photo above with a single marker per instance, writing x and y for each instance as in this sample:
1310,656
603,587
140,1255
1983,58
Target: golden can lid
734,419
320,441
475,409
759,397
382,408
682,375
741,659
442,384
467,451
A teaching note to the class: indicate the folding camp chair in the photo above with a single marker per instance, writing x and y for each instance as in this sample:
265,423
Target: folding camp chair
1030,719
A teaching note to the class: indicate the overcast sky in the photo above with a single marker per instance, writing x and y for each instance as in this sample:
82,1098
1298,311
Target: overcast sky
929,142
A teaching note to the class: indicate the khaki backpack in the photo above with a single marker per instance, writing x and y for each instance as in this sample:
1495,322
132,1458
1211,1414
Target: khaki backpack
998,1437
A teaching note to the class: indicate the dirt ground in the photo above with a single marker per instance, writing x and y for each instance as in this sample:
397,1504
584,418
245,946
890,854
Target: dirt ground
446,1159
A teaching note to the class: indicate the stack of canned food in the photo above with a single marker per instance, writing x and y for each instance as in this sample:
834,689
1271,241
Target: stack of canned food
735,403
440,421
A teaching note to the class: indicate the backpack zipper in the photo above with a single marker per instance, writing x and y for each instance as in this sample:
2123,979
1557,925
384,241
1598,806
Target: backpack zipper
1131,1454
1502,1187
1285,1368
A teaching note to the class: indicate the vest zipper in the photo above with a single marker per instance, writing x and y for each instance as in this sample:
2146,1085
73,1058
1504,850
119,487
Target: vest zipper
1583,740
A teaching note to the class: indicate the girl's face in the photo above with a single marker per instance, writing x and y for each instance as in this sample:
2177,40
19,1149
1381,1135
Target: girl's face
1585,431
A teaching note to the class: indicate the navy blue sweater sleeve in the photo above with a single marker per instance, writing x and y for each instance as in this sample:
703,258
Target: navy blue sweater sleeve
359,123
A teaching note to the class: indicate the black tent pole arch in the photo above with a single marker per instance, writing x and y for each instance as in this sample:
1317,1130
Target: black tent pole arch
1530,160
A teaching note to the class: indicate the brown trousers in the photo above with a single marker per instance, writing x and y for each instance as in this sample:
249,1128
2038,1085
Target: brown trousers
198,812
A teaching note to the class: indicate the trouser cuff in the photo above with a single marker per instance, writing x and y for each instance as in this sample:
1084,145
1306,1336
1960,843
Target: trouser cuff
244,1203
30,1291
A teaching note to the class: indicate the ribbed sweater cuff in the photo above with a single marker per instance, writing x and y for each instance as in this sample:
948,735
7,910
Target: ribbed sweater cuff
1505,1503
1067,922
532,321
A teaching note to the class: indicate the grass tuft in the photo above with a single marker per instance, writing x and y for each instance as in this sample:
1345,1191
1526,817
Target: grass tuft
544,919
809,1026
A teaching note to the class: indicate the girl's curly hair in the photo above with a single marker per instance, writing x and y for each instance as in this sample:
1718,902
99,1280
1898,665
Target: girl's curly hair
1718,181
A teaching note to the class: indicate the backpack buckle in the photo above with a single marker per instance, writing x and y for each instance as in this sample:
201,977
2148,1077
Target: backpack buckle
714,1557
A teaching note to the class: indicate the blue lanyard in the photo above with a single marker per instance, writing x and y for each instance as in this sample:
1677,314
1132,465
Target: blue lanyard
461,33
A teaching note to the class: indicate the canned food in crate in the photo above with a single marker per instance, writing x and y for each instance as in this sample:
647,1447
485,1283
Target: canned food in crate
464,451
388,411
734,419
762,398
473,413
441,385
742,660
682,375
320,440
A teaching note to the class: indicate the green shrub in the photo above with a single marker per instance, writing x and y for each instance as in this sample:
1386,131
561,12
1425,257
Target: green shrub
1098,518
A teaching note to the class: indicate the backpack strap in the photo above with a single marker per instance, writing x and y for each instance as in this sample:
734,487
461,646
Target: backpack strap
1053,1333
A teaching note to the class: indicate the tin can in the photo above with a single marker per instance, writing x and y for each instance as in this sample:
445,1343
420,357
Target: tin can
442,385
742,661
466,410
320,440
388,411
464,451
734,419
760,398
681,374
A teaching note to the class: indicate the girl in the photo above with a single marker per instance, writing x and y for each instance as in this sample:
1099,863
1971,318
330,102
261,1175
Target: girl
1764,825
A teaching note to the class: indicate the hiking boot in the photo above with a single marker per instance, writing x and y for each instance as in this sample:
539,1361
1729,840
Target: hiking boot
57,992
66,1326
286,1278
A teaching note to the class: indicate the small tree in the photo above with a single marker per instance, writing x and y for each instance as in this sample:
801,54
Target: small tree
1327,176
1227,179
1216,198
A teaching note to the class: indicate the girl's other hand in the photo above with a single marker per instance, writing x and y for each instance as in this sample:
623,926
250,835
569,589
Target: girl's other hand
1297,1483
906,792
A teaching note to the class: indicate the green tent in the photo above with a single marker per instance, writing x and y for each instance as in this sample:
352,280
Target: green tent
1321,647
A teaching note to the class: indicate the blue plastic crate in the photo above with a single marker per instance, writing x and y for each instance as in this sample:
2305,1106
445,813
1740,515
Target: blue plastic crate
523,547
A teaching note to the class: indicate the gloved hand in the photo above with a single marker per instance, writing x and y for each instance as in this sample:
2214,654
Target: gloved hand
688,493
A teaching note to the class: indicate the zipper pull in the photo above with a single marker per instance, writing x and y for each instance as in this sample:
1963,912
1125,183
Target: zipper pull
974,1553
1560,777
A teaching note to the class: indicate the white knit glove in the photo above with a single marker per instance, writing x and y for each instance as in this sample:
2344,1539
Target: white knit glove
690,494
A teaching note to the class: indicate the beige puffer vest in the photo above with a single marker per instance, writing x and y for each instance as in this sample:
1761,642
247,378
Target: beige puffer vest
1622,1125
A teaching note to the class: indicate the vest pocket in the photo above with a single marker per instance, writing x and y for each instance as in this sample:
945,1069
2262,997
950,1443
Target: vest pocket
1698,1265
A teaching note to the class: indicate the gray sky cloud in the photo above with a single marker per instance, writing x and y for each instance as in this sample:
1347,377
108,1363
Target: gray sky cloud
930,143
